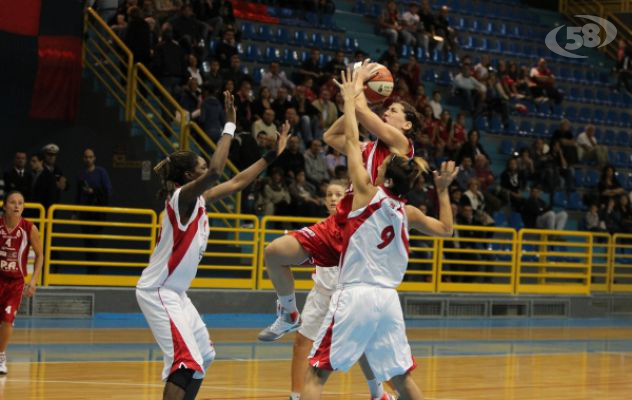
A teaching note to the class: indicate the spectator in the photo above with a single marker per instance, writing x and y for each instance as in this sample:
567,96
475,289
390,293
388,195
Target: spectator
435,104
221,15
295,122
191,97
457,136
50,162
169,62
609,186
193,70
336,64
401,93
275,78
304,199
229,86
262,103
44,187
564,135
243,104
466,217
389,57
475,198
17,178
486,180
413,28
525,84
625,213
292,160
623,68
545,82
593,221
214,76
508,82
138,36
334,160
282,102
526,166
611,216
482,69
544,166
389,22
429,23
226,48
443,29
589,149
341,173
327,110
185,24
466,172
307,113
119,25
311,67
473,91
212,115
265,125
275,199
315,163
512,182
562,168
537,214
421,100
234,72
472,148
411,73
424,194
496,99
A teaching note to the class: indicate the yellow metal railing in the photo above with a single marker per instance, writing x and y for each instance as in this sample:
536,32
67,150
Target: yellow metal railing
621,263
601,257
554,261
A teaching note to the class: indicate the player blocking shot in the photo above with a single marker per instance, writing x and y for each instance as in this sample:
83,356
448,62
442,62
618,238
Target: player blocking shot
315,309
16,236
365,316
188,183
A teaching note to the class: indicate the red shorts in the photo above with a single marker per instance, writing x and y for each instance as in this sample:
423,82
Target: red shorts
323,242
10,298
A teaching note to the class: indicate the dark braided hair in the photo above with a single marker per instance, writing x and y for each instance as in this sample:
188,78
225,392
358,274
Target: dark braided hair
172,170
404,173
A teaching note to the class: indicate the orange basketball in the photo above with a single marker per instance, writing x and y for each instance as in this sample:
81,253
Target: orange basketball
380,87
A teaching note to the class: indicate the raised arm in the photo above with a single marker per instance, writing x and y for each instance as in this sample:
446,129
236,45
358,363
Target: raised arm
247,176
362,187
192,190
444,225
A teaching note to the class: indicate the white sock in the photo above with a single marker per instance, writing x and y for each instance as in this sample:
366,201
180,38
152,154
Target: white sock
288,302
376,388
295,396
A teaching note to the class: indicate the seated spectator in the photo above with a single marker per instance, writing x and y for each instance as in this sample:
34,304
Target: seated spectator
589,149
421,100
336,64
512,182
472,148
226,48
191,97
609,186
214,76
412,30
275,199
496,99
291,160
545,82
611,216
274,78
537,214
444,128
307,113
390,56
212,115
119,25
429,22
623,68
315,163
234,72
562,169
282,102
296,123
457,136
508,82
327,111
401,93
311,68
304,199
565,136
444,30
525,84
334,160
243,104
424,194
388,22
473,91
435,104
526,166
341,173
193,70
221,15
228,86
482,69
466,172
17,177
170,62
185,24
475,198
411,73
265,125
593,221
262,103
625,213
245,150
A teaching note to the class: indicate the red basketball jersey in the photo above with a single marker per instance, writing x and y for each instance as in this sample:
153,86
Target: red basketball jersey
14,249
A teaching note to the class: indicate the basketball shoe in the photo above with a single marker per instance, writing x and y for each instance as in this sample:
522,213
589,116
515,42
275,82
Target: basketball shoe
3,364
286,322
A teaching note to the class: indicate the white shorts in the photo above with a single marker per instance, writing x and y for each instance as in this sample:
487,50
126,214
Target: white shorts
314,312
364,320
178,329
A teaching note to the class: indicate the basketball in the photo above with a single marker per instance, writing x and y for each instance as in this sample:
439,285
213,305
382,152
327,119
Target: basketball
380,87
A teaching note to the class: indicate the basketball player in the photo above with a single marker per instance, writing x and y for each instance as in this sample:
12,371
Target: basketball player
189,185
16,235
315,309
365,315
319,244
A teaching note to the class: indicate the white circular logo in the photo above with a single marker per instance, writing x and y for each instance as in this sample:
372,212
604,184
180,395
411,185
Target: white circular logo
581,36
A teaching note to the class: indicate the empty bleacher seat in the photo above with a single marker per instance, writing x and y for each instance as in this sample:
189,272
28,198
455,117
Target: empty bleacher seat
560,200
579,177
515,221
506,147
575,201
592,178
623,139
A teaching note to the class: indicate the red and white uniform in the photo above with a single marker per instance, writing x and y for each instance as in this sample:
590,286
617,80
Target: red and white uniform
14,251
323,240
161,290
365,315
317,302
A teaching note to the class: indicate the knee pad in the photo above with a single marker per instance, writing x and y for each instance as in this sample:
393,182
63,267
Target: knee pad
181,378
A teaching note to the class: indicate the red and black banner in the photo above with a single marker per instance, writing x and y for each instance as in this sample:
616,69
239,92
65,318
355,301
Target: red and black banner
40,54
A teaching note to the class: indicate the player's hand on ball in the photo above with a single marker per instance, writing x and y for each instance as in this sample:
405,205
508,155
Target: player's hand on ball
446,174
348,87
283,137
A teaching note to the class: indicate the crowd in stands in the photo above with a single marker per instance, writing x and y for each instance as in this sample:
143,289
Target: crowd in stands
172,40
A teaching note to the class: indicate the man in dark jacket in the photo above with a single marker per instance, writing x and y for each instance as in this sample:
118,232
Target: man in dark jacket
538,214
212,115
17,178
138,36
170,62
44,187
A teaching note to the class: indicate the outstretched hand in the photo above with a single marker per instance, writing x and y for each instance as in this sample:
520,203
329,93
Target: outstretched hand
446,174
283,137
364,72
229,107
348,88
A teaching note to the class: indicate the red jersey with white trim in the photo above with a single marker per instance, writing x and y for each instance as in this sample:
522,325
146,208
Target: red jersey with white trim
180,248
375,248
375,152
14,249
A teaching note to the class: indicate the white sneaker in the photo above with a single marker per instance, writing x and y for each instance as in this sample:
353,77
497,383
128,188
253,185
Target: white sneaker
286,322
3,364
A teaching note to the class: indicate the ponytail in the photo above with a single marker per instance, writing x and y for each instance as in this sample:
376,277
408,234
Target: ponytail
172,169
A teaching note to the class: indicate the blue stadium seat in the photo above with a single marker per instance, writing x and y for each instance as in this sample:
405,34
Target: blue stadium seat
469,42
560,200
598,116
429,75
512,128
515,221
273,54
495,125
501,29
578,76
575,201
257,73
482,124
592,178
614,99
283,36
493,46
589,95
473,25
525,128
540,130
608,137
590,77
500,219
253,53
579,177
300,39
624,119
621,159
444,77
405,51
334,42
599,136
570,113
265,33
573,95
351,44
628,181
623,139
318,41
612,118
290,57
585,115
506,147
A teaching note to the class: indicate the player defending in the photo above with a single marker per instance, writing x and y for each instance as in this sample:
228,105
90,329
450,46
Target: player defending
365,315
315,309
16,235
189,185
319,244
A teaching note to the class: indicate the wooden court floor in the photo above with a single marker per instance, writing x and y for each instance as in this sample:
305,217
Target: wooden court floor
453,364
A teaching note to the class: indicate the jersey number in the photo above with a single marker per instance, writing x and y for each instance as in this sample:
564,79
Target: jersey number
388,234
8,310
8,242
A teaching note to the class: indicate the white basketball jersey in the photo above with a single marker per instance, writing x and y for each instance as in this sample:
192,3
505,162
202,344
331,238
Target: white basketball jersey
375,248
175,259
326,279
